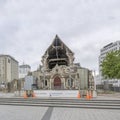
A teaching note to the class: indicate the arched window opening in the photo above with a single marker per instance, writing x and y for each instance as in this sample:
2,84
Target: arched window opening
45,82
70,82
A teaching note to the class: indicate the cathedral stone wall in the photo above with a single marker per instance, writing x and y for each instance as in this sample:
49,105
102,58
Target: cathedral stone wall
59,72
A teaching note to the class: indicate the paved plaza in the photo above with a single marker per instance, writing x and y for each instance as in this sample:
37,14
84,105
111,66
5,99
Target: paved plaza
51,113
8,112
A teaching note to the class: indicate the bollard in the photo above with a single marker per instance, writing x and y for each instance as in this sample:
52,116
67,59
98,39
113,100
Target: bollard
78,96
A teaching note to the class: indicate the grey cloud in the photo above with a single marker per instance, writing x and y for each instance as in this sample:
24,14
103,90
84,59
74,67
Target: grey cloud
84,25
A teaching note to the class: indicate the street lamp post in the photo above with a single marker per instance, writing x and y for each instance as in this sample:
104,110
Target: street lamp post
44,80
94,80
43,71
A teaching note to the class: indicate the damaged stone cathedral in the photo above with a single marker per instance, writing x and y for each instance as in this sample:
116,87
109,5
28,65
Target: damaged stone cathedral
59,72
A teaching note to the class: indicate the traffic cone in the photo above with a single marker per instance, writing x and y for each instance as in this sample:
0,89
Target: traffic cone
78,96
87,96
33,95
25,95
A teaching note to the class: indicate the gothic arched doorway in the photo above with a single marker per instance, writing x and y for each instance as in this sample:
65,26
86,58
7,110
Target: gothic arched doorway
57,83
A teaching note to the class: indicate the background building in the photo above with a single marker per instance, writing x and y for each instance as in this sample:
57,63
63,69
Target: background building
24,70
106,49
103,52
8,69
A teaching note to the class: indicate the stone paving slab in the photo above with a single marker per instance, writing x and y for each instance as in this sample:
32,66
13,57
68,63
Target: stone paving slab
84,114
21,112
45,113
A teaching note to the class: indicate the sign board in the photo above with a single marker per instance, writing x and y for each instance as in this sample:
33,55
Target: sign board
28,82
56,93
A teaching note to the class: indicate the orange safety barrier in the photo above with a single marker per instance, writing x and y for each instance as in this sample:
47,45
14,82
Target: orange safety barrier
87,96
90,94
25,95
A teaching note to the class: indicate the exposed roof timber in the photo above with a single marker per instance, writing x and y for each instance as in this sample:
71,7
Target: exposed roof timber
55,41
57,59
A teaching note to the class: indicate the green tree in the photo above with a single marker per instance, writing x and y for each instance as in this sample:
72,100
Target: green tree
111,65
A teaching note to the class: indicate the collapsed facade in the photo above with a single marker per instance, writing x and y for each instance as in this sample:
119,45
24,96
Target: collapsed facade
59,72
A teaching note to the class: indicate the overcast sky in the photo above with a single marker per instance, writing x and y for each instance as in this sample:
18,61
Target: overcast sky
28,27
